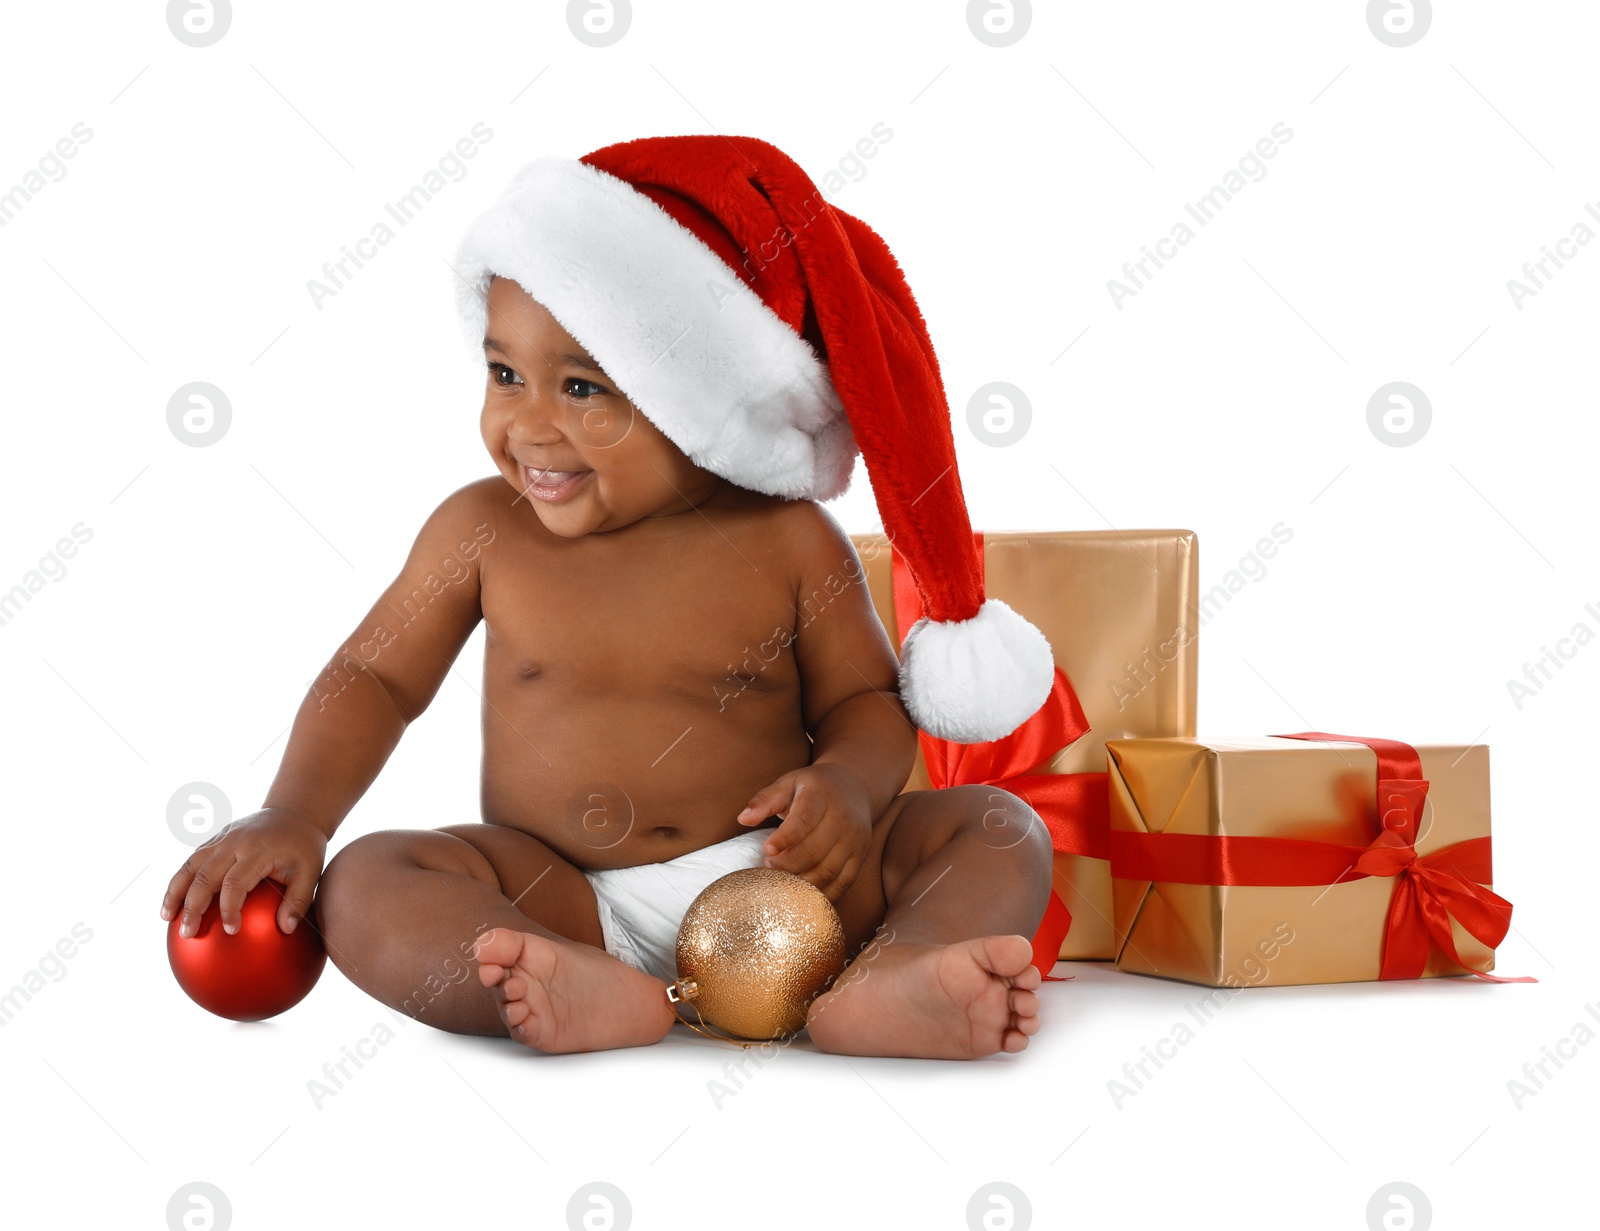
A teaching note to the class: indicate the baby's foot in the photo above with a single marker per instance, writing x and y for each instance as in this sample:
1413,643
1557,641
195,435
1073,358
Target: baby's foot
561,996
953,1002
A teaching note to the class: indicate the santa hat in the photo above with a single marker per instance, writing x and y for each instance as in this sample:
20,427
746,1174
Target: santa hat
771,337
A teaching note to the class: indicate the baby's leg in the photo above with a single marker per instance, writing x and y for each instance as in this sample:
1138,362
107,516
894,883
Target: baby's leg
407,913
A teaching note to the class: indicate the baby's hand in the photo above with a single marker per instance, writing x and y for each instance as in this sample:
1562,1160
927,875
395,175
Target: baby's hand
283,845
827,826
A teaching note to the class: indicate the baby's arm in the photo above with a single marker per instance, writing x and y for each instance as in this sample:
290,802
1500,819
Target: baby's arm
388,671
849,675
378,681
863,742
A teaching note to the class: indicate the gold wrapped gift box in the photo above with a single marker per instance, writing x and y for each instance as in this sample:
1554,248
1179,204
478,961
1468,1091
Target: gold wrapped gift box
1270,787
1119,610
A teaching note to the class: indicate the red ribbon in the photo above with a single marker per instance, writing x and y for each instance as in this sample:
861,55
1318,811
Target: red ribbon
1073,807
1429,889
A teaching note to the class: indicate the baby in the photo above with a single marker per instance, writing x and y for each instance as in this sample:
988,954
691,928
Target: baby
635,748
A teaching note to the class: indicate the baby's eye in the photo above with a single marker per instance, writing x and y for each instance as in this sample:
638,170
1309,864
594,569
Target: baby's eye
494,372
573,380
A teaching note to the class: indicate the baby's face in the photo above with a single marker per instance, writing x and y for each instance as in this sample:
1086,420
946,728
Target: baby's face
549,408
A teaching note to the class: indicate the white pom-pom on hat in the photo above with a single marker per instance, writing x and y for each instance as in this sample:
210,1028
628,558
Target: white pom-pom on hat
975,680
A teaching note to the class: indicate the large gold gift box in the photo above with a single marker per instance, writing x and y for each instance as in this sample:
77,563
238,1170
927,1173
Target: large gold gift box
1119,610
1270,787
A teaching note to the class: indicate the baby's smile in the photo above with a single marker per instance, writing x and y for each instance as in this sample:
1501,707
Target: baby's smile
552,486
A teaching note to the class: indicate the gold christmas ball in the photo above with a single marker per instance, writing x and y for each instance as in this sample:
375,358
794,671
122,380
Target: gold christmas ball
755,949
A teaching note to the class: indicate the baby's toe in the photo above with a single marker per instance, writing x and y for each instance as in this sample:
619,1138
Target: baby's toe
514,1012
1007,956
498,947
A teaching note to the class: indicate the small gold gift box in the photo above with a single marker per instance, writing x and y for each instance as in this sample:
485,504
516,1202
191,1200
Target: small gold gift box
1211,801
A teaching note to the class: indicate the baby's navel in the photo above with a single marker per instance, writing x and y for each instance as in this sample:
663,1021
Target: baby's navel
526,669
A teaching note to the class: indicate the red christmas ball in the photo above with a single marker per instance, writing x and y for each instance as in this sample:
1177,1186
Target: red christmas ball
259,971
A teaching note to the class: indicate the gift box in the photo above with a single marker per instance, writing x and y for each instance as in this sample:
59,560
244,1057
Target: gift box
1312,858
1118,608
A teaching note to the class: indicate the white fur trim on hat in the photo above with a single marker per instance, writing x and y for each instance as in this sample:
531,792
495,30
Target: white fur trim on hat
694,348
975,680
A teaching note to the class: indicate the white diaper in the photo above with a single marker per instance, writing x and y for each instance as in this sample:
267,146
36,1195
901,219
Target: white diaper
641,907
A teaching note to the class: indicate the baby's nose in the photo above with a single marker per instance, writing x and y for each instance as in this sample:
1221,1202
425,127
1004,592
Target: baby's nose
536,422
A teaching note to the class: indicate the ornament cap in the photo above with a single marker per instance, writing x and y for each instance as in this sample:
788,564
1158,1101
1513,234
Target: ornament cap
680,990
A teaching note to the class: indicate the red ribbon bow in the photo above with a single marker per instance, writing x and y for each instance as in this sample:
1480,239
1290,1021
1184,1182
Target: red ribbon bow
1428,889
1073,806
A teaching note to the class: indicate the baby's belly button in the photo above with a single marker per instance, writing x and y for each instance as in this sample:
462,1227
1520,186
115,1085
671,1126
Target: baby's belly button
646,846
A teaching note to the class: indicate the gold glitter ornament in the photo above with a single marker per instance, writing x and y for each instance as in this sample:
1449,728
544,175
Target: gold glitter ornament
755,948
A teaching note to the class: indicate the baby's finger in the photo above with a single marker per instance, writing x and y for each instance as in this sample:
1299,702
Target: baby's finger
799,824
178,886
834,877
296,904
807,858
771,800
240,879
208,878
828,860
847,877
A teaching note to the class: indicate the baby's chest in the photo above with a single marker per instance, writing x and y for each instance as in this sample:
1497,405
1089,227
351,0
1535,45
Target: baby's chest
674,621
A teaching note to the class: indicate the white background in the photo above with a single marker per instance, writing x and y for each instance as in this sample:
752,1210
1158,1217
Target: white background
1228,395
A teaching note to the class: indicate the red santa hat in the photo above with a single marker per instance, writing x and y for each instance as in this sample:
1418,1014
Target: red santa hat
772,337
